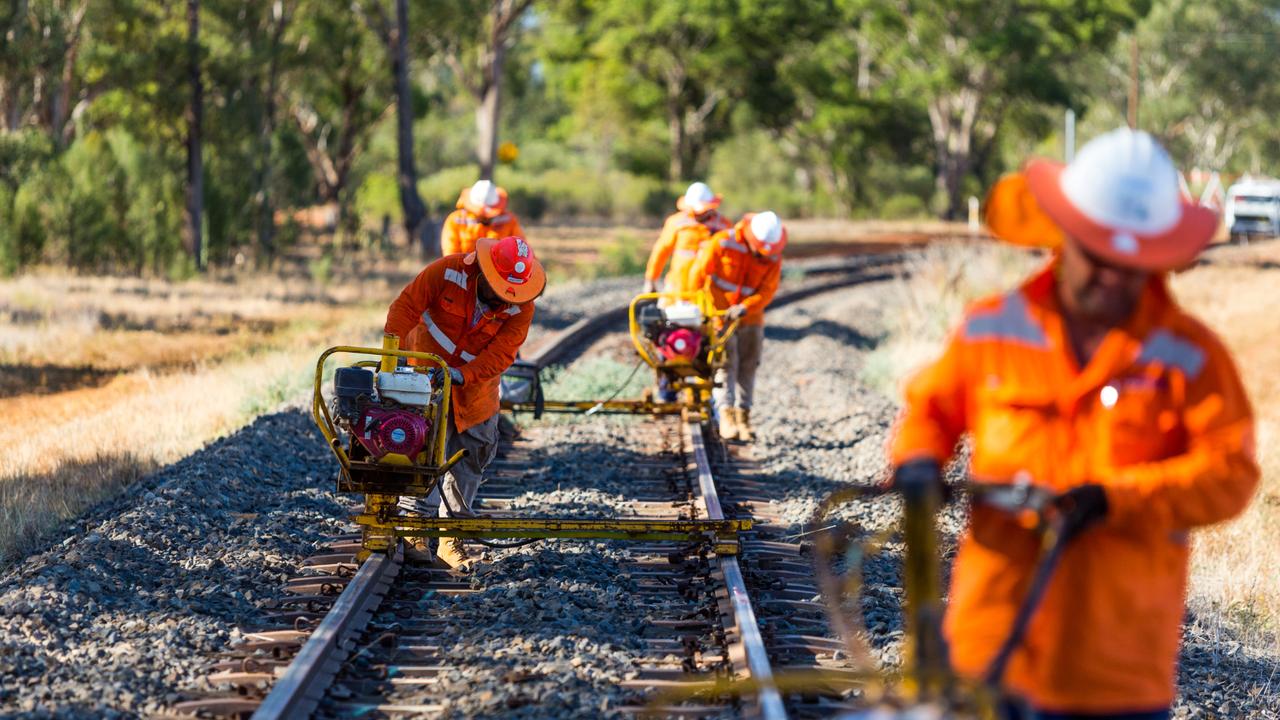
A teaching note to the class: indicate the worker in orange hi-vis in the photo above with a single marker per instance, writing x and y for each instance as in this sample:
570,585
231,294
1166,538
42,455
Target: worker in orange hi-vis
481,212
741,267
1090,381
683,233
474,311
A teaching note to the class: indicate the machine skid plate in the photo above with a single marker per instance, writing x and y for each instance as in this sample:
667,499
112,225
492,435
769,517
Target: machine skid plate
722,534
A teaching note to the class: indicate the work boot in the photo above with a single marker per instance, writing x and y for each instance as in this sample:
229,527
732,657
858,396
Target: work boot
418,551
452,553
745,433
728,424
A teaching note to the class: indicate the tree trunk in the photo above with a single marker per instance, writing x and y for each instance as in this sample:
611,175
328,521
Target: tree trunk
266,131
193,217
415,213
953,117
488,112
676,169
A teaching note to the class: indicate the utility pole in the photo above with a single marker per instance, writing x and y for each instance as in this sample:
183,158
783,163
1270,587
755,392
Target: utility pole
1133,83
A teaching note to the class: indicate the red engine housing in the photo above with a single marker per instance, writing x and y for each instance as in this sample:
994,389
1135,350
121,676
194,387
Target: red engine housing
680,343
383,431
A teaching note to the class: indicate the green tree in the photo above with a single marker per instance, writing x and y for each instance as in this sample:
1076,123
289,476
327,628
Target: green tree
968,61
1209,85
688,62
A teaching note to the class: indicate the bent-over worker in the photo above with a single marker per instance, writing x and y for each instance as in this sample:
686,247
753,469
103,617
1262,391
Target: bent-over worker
481,212
741,267
1090,381
474,311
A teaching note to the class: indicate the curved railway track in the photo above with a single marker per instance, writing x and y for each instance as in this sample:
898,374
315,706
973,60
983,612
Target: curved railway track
361,641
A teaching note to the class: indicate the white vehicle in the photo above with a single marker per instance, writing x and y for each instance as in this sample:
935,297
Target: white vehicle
1253,208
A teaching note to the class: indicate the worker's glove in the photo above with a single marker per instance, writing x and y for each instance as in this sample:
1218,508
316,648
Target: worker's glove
735,311
919,476
650,286
437,376
1081,507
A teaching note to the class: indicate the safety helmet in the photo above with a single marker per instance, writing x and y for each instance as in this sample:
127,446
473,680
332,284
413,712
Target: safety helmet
511,268
765,233
484,199
1119,198
698,199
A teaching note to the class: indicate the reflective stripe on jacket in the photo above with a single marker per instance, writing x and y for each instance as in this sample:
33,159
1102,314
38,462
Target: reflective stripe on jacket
434,313
682,236
461,230
736,274
1158,417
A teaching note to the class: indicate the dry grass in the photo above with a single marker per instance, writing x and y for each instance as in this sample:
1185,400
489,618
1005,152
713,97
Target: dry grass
1235,586
942,280
1236,567
108,379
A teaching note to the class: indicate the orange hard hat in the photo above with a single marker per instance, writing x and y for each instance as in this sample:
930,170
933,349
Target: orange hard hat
511,268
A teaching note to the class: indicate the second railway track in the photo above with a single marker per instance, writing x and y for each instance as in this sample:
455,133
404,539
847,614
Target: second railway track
385,639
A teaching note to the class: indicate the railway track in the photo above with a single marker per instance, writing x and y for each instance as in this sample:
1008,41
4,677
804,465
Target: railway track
371,640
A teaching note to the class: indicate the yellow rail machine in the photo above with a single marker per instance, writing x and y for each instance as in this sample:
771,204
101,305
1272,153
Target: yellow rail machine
386,425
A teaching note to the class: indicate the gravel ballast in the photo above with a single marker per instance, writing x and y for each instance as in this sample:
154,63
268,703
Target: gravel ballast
121,617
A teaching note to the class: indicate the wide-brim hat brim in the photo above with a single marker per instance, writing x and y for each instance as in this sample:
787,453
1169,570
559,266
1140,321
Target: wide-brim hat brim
514,293
697,208
1171,249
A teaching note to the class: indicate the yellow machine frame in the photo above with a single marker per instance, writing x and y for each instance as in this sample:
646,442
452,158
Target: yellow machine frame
394,475
683,376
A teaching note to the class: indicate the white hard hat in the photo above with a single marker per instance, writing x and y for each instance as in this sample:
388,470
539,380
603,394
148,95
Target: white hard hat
698,199
766,227
483,194
1121,200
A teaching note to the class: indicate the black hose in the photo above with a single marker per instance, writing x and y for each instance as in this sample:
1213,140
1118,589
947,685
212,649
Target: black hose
620,388
489,543
1035,593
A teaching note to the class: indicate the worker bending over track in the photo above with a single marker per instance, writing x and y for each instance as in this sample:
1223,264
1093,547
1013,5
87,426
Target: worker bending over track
1090,381
482,213
683,234
740,267
474,311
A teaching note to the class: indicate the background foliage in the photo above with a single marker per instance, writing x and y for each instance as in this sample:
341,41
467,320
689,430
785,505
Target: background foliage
832,108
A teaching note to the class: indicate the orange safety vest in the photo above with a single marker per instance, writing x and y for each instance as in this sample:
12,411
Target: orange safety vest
434,314
682,236
1158,417
735,275
462,228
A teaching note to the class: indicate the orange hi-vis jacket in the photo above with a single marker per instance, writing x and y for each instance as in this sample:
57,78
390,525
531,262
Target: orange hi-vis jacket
682,236
1157,416
435,313
736,275
462,228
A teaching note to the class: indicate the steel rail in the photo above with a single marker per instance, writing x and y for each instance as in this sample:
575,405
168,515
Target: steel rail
297,692
757,656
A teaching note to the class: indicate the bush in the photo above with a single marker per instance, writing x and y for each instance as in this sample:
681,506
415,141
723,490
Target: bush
562,193
903,207
379,196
